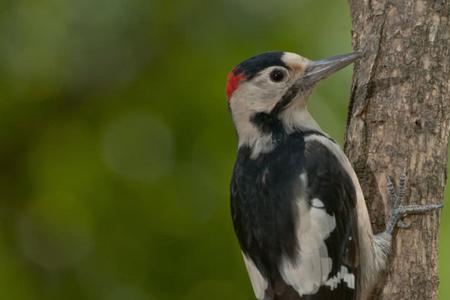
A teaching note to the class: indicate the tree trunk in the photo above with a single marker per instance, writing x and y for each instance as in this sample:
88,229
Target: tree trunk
399,121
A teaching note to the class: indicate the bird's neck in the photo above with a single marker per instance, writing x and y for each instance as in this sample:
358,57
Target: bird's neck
299,119
263,137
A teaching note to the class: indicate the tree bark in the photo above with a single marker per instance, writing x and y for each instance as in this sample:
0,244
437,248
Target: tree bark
399,120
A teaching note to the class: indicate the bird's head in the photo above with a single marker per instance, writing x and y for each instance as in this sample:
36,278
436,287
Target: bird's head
271,90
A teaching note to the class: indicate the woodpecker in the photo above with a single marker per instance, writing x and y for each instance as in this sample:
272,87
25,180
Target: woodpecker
297,206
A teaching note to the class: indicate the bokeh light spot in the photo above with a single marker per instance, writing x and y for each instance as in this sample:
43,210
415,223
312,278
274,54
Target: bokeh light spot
52,248
139,146
124,292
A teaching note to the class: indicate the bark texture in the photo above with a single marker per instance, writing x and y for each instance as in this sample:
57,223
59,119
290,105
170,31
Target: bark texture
399,120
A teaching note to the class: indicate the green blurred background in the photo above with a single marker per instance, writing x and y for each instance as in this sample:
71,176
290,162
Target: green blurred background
116,145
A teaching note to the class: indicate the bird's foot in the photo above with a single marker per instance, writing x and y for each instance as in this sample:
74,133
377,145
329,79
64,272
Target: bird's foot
398,210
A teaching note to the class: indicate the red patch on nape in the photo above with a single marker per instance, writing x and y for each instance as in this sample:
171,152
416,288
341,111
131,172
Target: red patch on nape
233,82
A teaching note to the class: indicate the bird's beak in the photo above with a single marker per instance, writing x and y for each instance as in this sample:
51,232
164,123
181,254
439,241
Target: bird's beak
315,72
318,70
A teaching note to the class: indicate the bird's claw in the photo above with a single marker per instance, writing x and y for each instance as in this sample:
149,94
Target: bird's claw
398,210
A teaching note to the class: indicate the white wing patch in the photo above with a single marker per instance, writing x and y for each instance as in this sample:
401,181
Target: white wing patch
316,203
259,283
313,266
342,275
375,259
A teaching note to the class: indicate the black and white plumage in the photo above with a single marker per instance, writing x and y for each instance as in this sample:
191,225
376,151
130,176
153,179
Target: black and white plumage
294,211
297,206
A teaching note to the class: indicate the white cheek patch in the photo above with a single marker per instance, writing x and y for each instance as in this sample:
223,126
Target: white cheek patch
249,134
313,265
259,283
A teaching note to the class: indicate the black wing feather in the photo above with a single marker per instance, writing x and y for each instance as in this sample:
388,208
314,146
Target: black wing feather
334,187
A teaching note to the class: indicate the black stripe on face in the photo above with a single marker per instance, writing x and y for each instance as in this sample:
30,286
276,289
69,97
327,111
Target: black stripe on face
252,66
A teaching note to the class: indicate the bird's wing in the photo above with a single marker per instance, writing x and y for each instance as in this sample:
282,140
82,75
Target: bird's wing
326,263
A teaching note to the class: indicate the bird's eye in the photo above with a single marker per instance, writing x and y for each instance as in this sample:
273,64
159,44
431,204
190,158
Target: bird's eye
277,75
